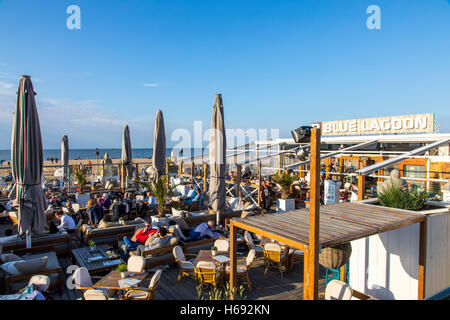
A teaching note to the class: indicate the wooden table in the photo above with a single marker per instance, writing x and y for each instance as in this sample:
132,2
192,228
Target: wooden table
206,255
81,256
111,280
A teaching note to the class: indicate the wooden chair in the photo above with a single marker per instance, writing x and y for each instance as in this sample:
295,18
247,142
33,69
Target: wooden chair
83,282
141,293
338,290
187,268
293,255
242,270
274,255
207,274
259,250
136,264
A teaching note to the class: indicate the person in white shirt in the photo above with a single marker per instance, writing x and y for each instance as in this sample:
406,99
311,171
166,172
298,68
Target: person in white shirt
67,223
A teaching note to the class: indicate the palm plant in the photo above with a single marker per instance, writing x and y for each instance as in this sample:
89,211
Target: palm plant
285,180
158,188
80,177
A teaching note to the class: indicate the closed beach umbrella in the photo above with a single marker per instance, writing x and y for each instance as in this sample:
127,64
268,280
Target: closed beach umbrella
217,158
65,156
159,146
126,152
27,161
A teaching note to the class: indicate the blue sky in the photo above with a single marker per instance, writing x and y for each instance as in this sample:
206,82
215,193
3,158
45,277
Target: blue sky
278,64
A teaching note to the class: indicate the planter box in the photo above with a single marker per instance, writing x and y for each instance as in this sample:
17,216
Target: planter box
386,265
285,205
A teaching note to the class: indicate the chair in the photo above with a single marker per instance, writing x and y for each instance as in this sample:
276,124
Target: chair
187,268
242,270
293,254
338,290
83,282
259,250
141,293
207,274
136,263
40,282
222,245
274,255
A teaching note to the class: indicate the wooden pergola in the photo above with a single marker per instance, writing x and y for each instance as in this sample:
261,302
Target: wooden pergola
338,223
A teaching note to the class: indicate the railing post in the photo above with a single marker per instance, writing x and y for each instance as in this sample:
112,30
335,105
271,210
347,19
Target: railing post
361,187
205,177
192,172
341,171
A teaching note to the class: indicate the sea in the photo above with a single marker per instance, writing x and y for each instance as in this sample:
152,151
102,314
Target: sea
114,153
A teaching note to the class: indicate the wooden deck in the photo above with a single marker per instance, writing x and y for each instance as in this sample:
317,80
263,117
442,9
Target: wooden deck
271,287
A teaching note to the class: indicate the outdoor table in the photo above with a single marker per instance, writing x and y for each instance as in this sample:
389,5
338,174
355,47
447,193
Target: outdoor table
111,280
206,255
81,256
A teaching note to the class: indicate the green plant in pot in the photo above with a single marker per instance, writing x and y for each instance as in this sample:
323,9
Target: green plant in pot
158,188
285,180
122,268
214,250
91,245
80,177
395,197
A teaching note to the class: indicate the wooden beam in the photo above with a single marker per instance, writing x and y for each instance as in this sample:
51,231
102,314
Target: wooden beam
341,170
314,217
302,173
306,274
361,187
205,182
259,184
233,261
422,258
343,273
192,172
180,169
327,168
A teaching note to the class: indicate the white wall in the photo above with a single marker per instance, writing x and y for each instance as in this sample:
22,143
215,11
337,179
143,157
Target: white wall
386,265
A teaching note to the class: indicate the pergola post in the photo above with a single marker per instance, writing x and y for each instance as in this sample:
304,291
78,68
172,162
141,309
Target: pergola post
180,169
306,274
422,258
312,281
233,261
361,187
341,170
259,184
327,168
192,172
205,182
302,173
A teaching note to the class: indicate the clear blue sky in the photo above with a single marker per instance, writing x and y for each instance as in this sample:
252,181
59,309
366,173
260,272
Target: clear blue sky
278,64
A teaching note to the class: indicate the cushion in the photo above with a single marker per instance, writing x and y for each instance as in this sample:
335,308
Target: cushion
9,267
32,265
8,257
181,222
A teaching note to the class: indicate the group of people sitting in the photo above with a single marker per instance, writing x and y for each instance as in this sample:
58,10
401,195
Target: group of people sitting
161,239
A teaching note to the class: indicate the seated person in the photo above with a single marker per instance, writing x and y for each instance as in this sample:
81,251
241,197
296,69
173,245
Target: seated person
203,230
141,238
191,193
118,209
160,241
67,223
105,202
95,211
197,197
151,201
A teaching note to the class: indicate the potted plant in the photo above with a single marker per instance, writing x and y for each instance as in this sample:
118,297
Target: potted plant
92,245
285,181
214,251
122,268
158,187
